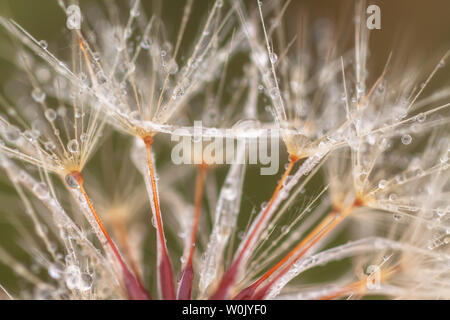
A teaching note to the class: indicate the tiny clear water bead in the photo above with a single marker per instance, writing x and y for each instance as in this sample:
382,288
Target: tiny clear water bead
406,139
73,146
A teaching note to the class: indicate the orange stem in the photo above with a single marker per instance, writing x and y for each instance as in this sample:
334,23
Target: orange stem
228,279
330,222
300,245
199,188
134,288
79,178
352,287
165,267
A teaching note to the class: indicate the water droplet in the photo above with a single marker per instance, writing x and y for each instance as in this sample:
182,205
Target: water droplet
71,277
85,282
173,69
406,139
83,137
101,78
127,34
43,74
274,93
273,57
73,146
55,270
82,199
360,87
62,111
131,67
38,95
49,146
71,181
145,44
440,212
50,114
397,216
43,44
371,139
78,114
134,12
229,193
418,172
264,205
177,92
12,134
134,115
31,135
41,190
421,117
288,180
382,184
392,197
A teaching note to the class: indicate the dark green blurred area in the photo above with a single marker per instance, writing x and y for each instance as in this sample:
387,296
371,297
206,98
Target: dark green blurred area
421,27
